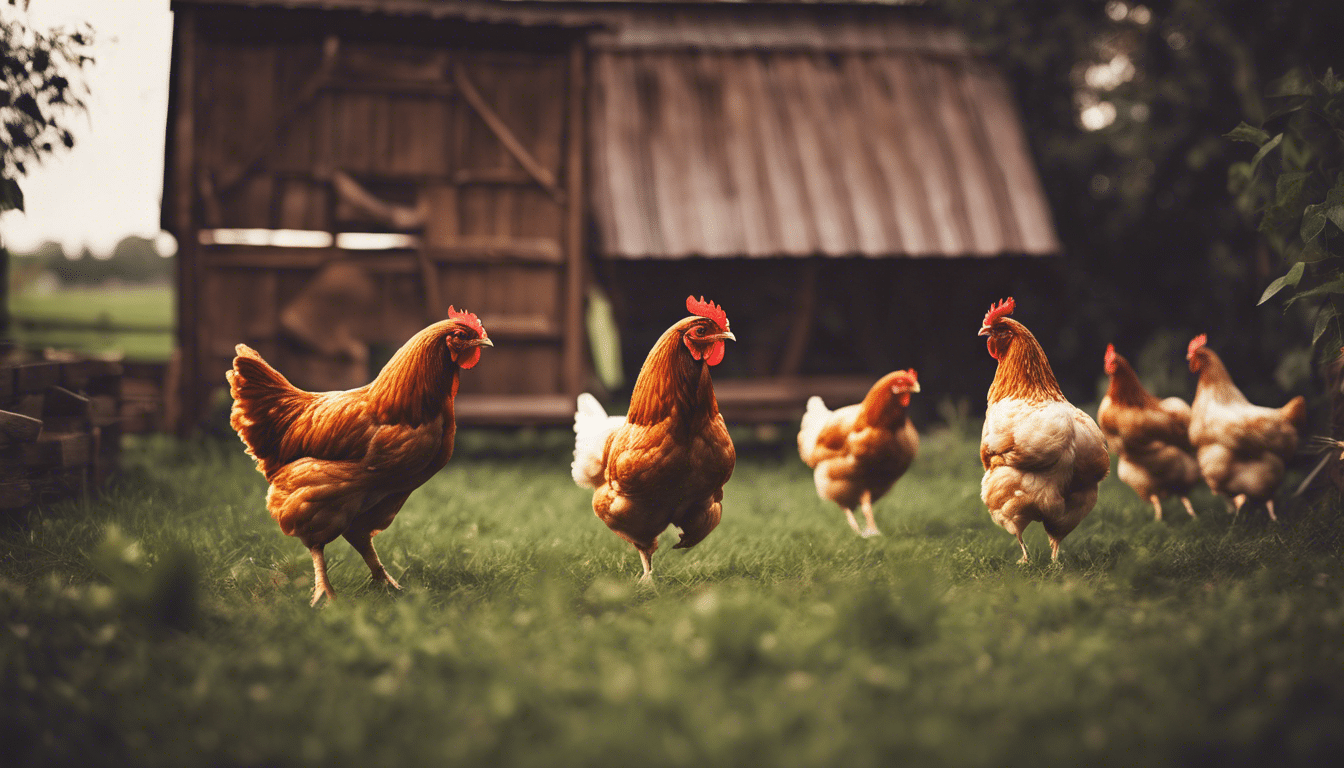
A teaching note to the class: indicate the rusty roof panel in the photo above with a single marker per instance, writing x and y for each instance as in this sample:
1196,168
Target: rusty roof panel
768,153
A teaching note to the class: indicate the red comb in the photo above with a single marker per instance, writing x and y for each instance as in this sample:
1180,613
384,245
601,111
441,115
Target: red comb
467,319
1002,309
1195,344
707,309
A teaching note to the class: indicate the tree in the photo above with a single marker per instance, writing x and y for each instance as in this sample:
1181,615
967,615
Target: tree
1126,104
38,97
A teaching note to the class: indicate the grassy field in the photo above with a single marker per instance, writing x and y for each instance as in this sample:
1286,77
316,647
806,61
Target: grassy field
168,624
138,306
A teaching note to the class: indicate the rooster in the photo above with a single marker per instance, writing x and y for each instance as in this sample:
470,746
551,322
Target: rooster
343,463
1043,458
858,452
1153,437
667,461
1242,448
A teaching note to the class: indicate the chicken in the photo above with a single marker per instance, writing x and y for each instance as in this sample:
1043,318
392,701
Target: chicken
858,452
1153,437
1043,458
1241,448
667,461
343,463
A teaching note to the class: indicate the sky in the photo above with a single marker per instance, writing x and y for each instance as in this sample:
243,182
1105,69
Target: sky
109,185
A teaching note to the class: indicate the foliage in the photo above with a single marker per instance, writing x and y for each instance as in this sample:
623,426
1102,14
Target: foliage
1295,185
37,95
1152,242
167,624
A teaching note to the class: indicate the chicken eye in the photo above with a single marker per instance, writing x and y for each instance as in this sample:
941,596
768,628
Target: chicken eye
697,330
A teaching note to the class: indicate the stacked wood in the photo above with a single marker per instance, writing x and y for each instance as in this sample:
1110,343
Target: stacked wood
60,428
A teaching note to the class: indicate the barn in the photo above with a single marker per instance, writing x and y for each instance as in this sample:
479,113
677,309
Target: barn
339,172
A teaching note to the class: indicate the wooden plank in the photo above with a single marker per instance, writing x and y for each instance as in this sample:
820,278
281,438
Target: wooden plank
35,378
827,203
474,249
18,428
973,179
866,205
739,156
190,393
573,371
542,175
59,449
797,232
15,494
617,161
1003,128
514,409
913,228
667,168
917,109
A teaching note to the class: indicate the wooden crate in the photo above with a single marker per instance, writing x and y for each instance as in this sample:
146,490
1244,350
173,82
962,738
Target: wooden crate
60,428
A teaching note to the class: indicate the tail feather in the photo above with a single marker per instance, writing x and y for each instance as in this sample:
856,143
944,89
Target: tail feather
592,427
264,405
1295,411
814,420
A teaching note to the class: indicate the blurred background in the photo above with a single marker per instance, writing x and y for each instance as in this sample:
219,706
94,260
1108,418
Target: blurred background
854,182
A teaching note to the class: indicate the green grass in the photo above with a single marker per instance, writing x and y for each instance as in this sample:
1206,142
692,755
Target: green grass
138,306
168,624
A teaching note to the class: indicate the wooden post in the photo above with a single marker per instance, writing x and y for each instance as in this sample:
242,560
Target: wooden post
574,329
188,387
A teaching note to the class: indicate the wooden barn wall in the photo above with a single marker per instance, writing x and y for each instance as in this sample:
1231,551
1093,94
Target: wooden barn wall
277,114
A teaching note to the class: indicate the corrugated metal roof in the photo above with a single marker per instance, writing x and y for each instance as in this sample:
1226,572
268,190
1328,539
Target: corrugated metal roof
800,153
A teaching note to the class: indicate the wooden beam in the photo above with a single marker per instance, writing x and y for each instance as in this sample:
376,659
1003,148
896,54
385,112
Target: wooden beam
575,330
801,327
515,147
188,388
526,251
266,143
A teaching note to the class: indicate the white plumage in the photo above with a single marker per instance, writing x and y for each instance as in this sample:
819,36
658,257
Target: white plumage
814,420
592,427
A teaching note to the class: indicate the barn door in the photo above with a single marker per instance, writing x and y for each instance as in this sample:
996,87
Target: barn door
466,160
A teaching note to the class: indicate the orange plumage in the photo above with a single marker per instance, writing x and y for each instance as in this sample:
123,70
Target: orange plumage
1152,436
1043,458
1241,448
858,452
343,463
666,463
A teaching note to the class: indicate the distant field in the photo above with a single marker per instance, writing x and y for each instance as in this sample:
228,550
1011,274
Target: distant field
133,307
168,624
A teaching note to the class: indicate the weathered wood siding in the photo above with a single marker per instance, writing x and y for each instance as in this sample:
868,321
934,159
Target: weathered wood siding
467,125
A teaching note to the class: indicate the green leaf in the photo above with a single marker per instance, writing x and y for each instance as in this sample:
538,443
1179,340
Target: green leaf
1323,323
1265,150
1313,221
1334,286
1289,185
1336,215
1331,83
11,197
1248,133
1293,277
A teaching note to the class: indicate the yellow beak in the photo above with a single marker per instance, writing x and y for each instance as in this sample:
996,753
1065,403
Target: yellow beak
725,335
482,343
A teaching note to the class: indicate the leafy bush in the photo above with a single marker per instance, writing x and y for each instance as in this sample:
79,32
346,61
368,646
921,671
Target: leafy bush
1295,184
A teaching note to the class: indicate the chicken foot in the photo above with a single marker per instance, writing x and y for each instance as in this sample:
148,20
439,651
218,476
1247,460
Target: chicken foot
321,586
1025,557
363,544
871,530
647,559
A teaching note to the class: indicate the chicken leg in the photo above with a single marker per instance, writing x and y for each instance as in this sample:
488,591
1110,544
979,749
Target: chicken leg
362,541
1188,506
1157,507
1025,557
321,586
1269,505
647,559
853,523
871,530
